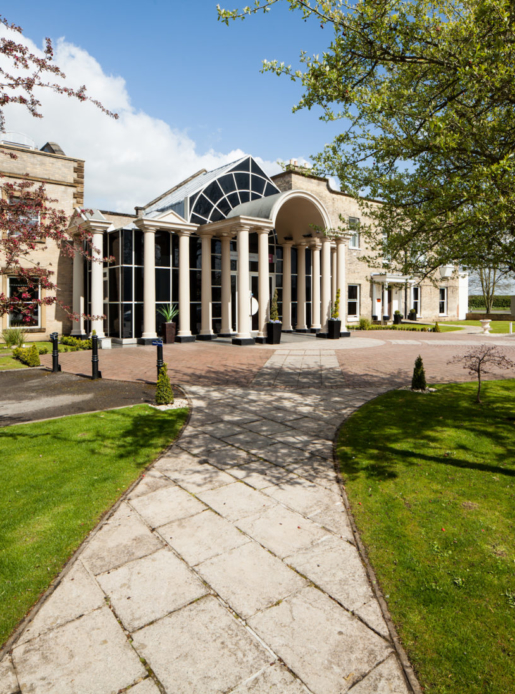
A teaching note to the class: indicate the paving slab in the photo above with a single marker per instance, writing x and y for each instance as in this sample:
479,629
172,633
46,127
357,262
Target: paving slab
147,686
229,456
386,678
73,597
90,654
201,648
150,482
275,679
199,477
235,501
202,536
8,679
328,648
250,579
282,531
149,588
260,474
166,505
122,538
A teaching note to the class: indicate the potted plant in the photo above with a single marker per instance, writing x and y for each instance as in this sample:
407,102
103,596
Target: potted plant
169,327
397,317
274,325
334,324
412,315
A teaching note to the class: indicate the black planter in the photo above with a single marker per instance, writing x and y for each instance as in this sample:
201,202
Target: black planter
334,328
412,316
273,333
386,317
169,333
397,318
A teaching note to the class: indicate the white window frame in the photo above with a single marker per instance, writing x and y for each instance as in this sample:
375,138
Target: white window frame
417,301
26,326
354,316
355,239
444,301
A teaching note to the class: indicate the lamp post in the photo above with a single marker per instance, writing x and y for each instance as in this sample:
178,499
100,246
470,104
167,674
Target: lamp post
160,361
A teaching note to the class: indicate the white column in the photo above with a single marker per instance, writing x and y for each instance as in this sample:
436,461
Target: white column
287,286
184,333
326,283
97,283
315,287
78,289
226,287
206,329
301,287
149,284
334,271
264,281
243,336
341,283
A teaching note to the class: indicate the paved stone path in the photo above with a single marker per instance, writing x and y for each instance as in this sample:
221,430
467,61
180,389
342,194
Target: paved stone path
231,567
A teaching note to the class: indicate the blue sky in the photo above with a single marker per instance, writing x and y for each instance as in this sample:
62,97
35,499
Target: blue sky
183,66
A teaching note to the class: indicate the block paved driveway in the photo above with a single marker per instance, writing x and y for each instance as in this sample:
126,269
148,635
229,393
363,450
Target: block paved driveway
231,566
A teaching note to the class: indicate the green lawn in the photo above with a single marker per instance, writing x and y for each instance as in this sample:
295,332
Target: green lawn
431,482
7,362
58,478
496,326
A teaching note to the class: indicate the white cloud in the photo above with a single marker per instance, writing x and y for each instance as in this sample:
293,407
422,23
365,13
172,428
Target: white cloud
129,161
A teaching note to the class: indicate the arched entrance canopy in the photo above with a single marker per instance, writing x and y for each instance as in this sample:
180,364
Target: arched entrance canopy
293,214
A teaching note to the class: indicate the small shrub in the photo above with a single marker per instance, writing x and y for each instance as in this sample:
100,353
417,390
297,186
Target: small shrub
418,382
436,329
274,309
365,323
75,342
335,313
28,356
43,350
13,337
164,392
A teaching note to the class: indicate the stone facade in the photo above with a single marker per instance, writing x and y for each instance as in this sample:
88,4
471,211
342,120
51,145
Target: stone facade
357,270
64,180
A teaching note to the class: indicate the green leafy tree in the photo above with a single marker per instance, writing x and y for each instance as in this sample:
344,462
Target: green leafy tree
164,392
425,92
418,382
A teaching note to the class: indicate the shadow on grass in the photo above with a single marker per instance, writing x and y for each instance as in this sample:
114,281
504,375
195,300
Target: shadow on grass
427,422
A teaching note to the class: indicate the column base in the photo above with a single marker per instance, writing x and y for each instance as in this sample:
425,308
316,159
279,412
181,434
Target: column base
301,330
243,341
289,330
315,330
185,338
345,334
261,340
206,338
225,335
146,340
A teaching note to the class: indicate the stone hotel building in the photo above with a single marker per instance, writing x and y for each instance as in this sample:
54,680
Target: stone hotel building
188,248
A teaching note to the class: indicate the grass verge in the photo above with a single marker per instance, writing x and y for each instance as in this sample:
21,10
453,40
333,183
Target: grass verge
431,483
8,362
58,478
496,326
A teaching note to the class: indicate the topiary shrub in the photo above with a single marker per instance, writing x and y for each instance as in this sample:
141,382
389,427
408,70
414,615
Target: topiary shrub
436,329
43,350
418,382
164,392
365,323
274,309
28,356
335,313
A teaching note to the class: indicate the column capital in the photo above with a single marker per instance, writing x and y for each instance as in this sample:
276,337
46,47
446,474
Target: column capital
300,244
261,230
287,242
339,240
226,234
315,244
326,239
237,228
206,233
183,232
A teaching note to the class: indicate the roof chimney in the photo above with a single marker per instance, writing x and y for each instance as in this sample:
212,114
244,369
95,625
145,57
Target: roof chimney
139,211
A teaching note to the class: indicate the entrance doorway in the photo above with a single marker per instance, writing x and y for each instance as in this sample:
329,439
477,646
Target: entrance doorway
254,288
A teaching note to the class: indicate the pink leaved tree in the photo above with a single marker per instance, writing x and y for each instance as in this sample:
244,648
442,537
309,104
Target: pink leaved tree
28,221
480,360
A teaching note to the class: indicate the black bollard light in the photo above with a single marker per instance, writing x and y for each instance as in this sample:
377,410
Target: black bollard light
56,367
96,374
160,362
